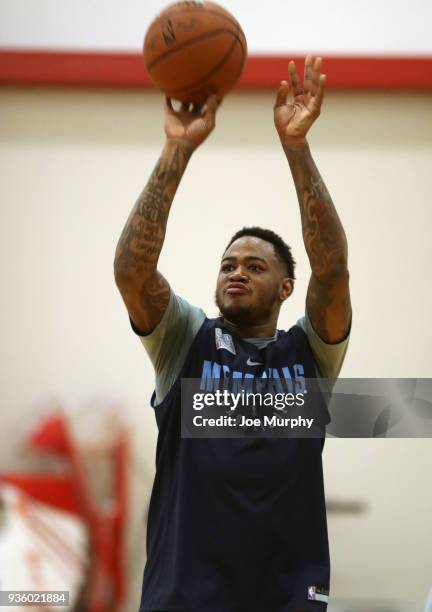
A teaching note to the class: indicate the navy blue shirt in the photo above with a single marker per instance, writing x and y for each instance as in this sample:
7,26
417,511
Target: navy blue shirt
236,524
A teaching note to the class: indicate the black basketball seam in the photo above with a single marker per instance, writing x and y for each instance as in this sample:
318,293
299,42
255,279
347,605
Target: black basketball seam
242,66
190,42
188,9
234,80
216,68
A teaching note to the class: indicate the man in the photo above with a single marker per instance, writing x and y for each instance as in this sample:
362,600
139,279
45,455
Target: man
238,525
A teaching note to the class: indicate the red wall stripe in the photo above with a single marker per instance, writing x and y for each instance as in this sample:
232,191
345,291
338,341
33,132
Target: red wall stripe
261,72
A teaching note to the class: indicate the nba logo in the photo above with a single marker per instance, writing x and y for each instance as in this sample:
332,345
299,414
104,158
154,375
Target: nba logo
311,593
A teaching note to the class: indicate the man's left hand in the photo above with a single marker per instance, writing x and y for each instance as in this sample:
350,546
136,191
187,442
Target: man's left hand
298,105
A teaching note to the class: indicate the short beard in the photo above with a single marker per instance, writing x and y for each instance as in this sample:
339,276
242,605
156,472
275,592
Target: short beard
239,315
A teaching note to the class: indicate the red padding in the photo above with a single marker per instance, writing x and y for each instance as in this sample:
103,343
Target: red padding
261,72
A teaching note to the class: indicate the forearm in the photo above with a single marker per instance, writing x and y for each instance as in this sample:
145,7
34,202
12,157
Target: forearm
141,241
323,234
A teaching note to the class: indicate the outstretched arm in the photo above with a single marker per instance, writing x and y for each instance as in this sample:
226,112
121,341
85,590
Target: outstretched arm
328,298
143,288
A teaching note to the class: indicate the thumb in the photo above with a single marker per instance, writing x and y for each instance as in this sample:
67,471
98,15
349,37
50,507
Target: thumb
209,111
168,105
282,94
212,104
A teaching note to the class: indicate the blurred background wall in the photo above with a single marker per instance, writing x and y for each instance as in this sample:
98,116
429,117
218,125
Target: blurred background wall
73,165
73,162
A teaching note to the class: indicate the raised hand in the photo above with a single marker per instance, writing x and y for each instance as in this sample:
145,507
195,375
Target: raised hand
190,127
298,105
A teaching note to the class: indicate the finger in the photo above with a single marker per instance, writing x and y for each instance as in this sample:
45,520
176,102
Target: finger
168,104
196,109
215,97
212,102
316,101
296,85
316,73
308,76
282,94
320,91
211,107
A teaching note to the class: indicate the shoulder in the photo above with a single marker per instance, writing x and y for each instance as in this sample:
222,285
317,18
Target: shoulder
329,357
169,343
179,317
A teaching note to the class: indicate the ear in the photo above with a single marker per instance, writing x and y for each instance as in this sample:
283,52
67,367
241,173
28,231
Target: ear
286,288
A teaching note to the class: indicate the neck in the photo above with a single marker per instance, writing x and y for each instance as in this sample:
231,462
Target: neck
257,330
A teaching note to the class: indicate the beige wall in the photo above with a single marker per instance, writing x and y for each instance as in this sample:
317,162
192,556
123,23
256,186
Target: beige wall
73,163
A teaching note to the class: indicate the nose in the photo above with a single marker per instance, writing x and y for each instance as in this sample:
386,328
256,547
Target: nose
238,276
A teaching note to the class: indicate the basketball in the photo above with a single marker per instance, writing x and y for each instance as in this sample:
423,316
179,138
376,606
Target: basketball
194,49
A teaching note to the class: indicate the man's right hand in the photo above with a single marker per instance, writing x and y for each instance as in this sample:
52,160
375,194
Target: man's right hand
187,127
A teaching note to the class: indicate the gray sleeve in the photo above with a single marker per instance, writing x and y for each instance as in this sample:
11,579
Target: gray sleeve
328,357
168,344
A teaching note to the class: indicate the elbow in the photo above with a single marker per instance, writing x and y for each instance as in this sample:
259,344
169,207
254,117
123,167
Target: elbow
129,276
118,269
118,263
123,275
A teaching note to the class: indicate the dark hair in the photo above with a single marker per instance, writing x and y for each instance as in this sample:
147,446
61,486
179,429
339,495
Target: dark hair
282,250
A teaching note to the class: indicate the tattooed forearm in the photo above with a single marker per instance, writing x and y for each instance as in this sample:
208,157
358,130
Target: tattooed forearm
328,300
142,238
323,234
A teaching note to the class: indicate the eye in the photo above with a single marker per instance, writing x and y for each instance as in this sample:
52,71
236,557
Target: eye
255,268
227,267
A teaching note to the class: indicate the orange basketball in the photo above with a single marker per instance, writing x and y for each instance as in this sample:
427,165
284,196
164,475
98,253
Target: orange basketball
194,49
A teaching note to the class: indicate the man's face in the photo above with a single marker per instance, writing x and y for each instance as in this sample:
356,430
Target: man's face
252,282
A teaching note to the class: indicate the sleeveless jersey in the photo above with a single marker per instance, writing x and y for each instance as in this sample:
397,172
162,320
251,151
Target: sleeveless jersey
236,524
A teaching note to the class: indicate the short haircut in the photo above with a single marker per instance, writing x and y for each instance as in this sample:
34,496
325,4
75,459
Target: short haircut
282,250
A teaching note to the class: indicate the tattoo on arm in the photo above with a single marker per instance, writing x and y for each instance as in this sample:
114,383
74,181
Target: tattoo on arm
142,238
144,289
328,300
329,307
323,234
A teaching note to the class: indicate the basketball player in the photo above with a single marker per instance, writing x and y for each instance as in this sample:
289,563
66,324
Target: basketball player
238,525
